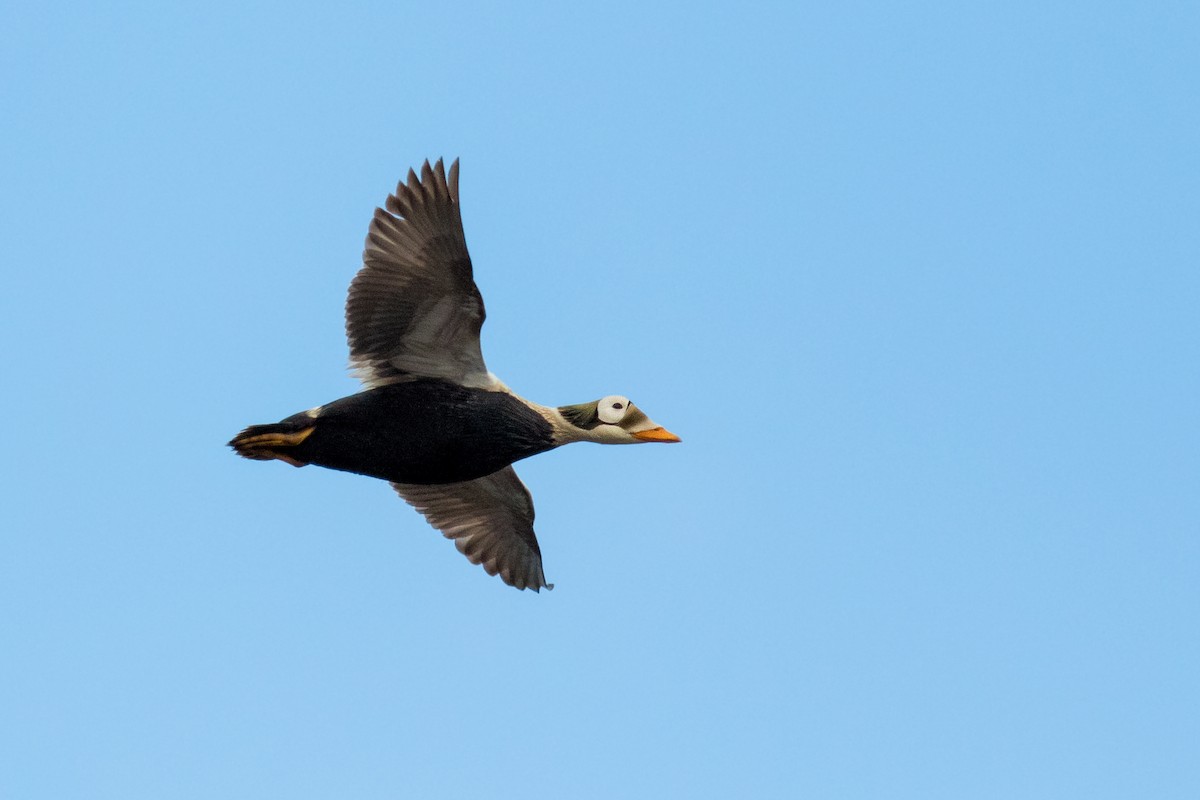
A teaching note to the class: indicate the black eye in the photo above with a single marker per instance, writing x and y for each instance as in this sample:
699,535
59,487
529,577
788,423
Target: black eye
617,405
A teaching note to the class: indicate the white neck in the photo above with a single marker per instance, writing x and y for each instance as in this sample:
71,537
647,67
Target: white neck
564,432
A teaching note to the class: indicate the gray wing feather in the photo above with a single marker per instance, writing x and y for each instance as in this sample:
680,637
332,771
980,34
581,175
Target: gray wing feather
490,520
414,310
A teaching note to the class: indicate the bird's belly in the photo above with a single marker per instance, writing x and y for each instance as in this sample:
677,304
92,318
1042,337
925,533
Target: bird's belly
406,454
422,432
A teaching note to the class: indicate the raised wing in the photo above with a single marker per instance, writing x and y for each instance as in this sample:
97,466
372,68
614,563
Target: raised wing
414,310
490,520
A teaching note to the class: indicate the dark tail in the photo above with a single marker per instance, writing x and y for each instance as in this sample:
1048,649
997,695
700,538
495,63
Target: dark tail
265,442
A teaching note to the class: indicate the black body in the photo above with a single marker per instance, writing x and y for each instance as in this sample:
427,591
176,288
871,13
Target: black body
424,431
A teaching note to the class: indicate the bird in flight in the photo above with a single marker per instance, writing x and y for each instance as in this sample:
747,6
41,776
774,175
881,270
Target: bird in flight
431,419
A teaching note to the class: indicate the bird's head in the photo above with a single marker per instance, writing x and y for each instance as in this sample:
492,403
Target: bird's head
612,420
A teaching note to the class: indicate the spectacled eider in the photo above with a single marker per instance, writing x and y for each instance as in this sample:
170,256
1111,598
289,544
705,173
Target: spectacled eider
432,420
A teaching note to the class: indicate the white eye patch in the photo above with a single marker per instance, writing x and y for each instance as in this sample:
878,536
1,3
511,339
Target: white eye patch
612,408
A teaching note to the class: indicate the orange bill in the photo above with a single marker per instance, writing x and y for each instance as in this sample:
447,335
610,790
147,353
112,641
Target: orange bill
657,435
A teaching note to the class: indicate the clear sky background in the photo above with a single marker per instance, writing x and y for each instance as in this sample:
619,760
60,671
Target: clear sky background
918,284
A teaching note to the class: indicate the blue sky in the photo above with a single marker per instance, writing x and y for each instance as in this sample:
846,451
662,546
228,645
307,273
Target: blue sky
916,283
